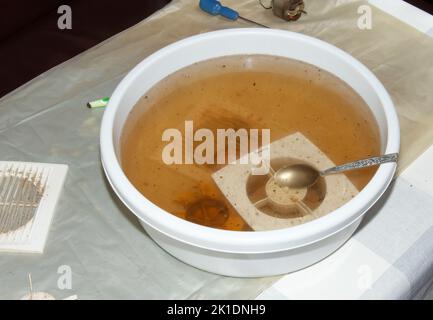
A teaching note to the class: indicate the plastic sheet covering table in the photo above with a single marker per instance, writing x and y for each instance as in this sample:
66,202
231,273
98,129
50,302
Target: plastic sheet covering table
93,235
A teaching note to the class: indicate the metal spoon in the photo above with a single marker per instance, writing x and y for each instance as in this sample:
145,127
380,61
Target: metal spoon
304,175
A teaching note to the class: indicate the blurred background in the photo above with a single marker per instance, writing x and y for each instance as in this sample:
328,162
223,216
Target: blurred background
31,42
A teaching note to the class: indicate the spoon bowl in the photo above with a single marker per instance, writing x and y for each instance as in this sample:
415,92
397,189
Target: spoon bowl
296,176
304,175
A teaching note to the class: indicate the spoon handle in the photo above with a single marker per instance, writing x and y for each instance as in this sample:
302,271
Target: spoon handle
373,161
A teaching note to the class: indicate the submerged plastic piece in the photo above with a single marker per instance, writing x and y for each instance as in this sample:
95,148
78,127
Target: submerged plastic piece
275,207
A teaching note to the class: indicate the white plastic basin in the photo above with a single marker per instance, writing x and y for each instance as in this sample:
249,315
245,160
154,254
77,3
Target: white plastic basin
248,254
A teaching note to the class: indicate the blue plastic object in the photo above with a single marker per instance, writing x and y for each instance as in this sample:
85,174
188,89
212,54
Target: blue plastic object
215,8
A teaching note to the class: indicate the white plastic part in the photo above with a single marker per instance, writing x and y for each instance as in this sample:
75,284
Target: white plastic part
259,253
31,237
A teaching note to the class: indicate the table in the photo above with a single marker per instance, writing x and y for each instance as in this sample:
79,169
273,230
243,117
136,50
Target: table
109,254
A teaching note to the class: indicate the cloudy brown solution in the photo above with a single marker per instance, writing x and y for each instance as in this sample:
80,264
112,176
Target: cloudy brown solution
257,91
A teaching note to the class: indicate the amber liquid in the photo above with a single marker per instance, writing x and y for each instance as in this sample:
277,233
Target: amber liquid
283,95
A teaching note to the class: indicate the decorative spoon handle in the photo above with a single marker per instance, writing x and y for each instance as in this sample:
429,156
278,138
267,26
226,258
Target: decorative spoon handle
373,161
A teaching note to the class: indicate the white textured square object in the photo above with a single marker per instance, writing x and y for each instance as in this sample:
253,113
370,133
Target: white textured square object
234,179
28,197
